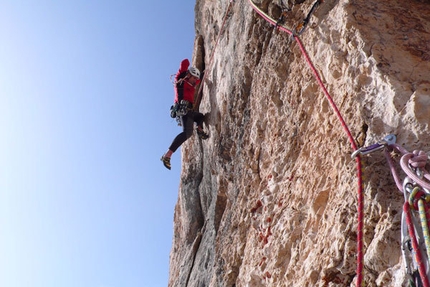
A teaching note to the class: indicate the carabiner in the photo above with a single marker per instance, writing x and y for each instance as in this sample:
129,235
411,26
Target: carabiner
387,140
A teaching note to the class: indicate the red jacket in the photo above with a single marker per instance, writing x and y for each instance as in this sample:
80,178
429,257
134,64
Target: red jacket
183,89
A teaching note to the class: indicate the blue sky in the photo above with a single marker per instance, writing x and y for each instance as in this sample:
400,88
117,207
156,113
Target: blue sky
84,97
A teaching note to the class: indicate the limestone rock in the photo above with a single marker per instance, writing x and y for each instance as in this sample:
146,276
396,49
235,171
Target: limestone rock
270,199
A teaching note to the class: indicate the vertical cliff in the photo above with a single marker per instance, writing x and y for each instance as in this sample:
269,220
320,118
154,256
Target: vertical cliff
270,199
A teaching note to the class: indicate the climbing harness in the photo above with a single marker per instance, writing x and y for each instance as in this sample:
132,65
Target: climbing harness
179,110
360,199
183,108
415,234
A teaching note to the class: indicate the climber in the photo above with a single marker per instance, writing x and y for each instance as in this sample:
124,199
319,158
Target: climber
186,80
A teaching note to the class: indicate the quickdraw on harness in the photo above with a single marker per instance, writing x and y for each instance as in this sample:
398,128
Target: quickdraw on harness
281,18
179,110
416,191
301,27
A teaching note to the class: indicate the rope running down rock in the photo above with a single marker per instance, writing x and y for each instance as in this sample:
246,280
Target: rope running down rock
360,201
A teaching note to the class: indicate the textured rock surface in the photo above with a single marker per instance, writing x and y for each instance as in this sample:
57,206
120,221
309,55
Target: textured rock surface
271,198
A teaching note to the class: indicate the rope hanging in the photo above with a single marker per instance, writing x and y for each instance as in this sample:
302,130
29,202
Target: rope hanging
360,207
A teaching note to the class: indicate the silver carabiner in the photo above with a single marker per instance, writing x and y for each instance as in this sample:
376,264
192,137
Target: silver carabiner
387,140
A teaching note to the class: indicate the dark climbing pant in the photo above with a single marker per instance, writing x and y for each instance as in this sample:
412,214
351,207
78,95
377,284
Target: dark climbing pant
188,127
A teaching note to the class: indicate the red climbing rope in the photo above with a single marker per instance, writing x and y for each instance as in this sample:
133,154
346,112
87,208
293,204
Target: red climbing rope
348,132
197,102
415,246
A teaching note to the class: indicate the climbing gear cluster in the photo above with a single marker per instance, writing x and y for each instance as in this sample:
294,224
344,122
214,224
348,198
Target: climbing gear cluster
178,110
416,209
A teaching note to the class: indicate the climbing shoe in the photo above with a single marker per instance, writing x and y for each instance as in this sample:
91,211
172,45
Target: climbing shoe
166,162
202,134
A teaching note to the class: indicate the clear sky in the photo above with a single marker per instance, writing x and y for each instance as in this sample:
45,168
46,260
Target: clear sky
85,94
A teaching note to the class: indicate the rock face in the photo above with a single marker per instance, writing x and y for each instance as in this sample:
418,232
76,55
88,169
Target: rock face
270,199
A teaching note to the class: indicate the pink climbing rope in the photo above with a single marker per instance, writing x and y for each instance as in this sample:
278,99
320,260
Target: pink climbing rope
416,159
360,202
